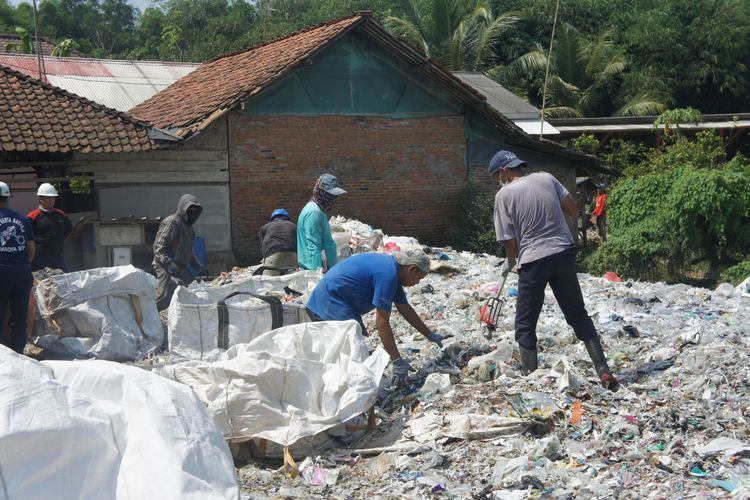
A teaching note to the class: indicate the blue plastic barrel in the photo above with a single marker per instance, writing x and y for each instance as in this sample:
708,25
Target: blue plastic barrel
199,249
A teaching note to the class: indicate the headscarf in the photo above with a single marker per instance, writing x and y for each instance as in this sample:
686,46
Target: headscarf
321,197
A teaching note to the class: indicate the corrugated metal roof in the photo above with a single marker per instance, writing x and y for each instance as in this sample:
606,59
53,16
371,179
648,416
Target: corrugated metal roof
505,102
500,98
117,84
534,127
647,127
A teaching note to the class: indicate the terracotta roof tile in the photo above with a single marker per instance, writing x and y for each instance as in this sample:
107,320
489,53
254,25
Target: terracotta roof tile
41,118
223,82
7,39
214,88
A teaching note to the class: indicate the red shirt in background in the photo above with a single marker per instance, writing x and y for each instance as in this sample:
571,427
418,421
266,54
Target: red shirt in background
601,205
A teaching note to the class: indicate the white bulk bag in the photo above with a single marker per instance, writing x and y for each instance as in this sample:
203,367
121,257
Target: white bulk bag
101,430
289,383
107,313
204,322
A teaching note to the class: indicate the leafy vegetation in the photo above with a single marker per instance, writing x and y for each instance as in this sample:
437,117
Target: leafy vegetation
736,274
609,57
463,35
474,230
583,76
685,211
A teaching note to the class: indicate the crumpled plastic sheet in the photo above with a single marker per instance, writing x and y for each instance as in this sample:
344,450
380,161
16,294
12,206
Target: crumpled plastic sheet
289,383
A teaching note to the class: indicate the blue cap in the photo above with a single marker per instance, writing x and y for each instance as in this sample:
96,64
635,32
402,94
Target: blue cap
504,159
279,211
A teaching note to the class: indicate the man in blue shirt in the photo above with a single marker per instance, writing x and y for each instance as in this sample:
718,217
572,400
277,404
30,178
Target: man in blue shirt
313,231
16,252
370,281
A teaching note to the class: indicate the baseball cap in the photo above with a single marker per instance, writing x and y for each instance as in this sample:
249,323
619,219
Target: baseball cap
413,257
4,190
331,184
504,159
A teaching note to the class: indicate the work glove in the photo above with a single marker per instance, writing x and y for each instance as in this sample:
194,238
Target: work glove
506,268
437,338
173,269
401,369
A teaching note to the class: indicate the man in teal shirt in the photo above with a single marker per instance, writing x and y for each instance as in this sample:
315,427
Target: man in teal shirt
313,231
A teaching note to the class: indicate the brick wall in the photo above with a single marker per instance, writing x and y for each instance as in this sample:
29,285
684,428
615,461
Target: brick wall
402,176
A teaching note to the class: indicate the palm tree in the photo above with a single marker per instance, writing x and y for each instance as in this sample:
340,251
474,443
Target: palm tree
583,77
461,35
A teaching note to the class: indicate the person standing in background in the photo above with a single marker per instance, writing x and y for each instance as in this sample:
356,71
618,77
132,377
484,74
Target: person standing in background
51,228
313,231
600,211
16,251
173,250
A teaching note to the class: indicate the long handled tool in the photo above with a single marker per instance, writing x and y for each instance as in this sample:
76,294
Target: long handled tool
489,313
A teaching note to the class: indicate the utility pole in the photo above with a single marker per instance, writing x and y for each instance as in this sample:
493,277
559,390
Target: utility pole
39,56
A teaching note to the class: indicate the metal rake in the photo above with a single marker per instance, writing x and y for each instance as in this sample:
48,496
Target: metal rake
489,313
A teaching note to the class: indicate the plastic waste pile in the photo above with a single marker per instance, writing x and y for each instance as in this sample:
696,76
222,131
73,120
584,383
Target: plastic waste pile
353,237
470,425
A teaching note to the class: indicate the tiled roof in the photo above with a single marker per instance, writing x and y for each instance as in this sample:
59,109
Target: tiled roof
194,101
219,85
10,38
37,117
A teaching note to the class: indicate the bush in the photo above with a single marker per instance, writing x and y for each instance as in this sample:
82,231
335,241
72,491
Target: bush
736,274
690,210
475,229
585,143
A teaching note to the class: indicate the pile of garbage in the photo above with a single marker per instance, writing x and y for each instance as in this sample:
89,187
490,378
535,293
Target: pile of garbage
472,426
321,419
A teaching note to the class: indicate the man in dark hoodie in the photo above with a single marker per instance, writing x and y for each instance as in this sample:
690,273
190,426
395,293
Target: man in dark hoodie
173,250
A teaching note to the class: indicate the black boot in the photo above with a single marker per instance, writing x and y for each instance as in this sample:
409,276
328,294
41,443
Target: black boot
528,360
594,347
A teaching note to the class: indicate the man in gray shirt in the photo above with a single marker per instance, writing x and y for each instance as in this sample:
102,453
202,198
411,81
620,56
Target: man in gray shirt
530,221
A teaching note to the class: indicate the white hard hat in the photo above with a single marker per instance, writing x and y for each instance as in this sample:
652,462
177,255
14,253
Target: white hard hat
4,190
46,189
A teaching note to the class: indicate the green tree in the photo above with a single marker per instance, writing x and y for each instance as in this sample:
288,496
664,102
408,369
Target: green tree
64,48
113,28
700,49
7,22
691,210
583,77
673,118
461,35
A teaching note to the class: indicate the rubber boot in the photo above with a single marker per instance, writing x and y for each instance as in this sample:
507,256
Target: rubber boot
594,347
529,361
